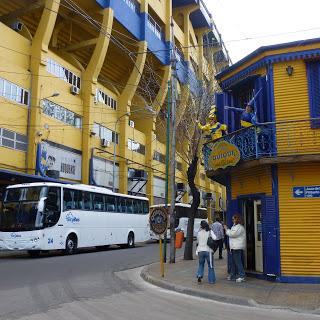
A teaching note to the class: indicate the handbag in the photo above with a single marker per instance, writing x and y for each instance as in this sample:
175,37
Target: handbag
212,244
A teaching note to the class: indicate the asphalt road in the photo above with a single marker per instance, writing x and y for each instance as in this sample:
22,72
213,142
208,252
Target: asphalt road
91,286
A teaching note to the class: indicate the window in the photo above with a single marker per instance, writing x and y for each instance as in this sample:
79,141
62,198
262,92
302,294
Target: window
122,207
78,199
13,140
60,113
63,73
133,5
87,201
136,146
145,207
110,203
105,99
105,133
313,72
98,202
68,200
129,205
154,27
13,92
159,157
52,208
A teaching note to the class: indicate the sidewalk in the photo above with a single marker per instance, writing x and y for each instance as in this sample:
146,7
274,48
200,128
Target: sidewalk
254,292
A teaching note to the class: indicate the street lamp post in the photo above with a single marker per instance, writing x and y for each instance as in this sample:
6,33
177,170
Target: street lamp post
147,108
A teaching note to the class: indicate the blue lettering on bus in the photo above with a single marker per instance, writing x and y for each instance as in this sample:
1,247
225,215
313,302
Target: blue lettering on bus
71,218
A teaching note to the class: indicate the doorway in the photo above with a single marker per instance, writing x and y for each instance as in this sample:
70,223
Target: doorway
253,225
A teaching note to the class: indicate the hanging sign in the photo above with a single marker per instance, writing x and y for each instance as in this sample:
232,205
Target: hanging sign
223,155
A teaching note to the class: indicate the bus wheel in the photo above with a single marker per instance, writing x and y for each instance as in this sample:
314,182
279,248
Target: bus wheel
34,253
130,243
71,244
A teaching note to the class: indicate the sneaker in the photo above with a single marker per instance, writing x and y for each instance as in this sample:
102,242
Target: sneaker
199,279
240,280
229,278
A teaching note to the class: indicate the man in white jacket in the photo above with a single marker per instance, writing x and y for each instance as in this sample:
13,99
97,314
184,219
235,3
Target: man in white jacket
237,243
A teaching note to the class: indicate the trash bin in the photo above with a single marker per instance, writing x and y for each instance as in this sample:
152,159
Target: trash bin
179,239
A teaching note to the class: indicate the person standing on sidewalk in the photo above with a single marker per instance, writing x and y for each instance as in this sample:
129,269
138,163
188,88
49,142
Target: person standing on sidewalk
237,242
204,252
217,229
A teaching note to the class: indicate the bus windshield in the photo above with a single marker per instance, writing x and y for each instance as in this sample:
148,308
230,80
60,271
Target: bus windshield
20,212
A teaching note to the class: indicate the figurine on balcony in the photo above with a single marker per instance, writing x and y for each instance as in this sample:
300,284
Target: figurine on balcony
213,129
248,116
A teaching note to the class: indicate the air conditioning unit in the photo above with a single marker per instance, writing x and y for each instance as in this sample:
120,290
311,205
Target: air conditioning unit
17,26
74,90
131,123
105,143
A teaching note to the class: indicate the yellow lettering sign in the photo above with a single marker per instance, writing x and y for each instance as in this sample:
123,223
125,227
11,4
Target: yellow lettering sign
223,155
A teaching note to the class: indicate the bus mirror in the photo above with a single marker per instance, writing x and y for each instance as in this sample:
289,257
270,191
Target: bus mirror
41,204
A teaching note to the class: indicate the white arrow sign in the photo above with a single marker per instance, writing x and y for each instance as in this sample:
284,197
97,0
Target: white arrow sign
298,192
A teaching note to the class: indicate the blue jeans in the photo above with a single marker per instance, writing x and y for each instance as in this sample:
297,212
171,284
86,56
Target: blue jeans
203,257
237,264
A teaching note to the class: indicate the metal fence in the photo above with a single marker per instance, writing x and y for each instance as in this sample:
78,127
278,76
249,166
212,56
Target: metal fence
273,139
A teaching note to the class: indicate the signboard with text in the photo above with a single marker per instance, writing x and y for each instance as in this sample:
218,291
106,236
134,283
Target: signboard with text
158,220
223,155
306,192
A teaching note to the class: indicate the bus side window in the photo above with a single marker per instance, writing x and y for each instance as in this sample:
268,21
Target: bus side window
136,206
78,199
111,205
123,205
98,203
68,202
129,205
53,206
145,207
87,201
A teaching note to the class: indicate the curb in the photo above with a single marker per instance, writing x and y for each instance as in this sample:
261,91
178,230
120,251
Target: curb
217,296
198,293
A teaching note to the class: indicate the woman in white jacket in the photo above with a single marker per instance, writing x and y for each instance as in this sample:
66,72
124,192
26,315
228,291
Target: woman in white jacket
204,252
237,243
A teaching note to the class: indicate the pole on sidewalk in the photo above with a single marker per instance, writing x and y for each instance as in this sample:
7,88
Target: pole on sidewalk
167,166
161,258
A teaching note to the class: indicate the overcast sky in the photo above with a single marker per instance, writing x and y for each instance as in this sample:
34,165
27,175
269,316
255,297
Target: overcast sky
265,21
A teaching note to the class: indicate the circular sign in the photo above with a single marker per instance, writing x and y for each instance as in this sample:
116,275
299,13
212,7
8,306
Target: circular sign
158,220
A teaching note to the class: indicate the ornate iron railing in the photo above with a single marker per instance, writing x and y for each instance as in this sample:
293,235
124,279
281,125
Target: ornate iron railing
273,139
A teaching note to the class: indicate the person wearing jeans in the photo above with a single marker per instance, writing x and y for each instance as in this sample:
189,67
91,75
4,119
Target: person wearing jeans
205,253
237,242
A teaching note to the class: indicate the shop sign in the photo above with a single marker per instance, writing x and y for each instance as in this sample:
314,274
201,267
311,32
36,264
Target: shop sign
306,192
51,157
223,155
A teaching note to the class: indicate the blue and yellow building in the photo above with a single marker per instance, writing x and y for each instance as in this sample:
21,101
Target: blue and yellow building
271,170
77,82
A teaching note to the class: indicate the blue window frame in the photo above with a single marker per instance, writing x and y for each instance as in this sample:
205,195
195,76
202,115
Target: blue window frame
313,73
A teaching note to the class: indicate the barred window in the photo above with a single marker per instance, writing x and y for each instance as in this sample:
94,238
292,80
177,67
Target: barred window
63,73
105,99
105,133
136,146
60,113
13,92
13,140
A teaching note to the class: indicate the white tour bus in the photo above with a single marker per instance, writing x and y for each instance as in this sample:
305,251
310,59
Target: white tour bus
52,216
182,212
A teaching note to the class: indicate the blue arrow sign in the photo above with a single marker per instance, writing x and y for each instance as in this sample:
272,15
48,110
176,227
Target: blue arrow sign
306,192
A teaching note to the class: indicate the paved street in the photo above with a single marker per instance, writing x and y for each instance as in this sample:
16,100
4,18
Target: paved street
90,286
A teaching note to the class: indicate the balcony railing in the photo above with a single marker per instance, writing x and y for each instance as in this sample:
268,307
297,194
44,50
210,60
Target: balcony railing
133,5
155,27
273,139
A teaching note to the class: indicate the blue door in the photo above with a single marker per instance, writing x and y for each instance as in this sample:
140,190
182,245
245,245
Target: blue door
270,228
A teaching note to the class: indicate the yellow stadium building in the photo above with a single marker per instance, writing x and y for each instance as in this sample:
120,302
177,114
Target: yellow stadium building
78,80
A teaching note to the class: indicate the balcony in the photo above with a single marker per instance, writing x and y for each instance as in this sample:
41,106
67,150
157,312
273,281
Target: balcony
267,143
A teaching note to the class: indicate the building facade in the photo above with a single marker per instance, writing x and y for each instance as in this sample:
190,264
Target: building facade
77,82
271,170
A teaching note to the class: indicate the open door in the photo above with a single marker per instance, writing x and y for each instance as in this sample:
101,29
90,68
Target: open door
258,236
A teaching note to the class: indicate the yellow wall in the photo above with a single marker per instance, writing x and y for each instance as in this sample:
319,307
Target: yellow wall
292,103
254,180
299,232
